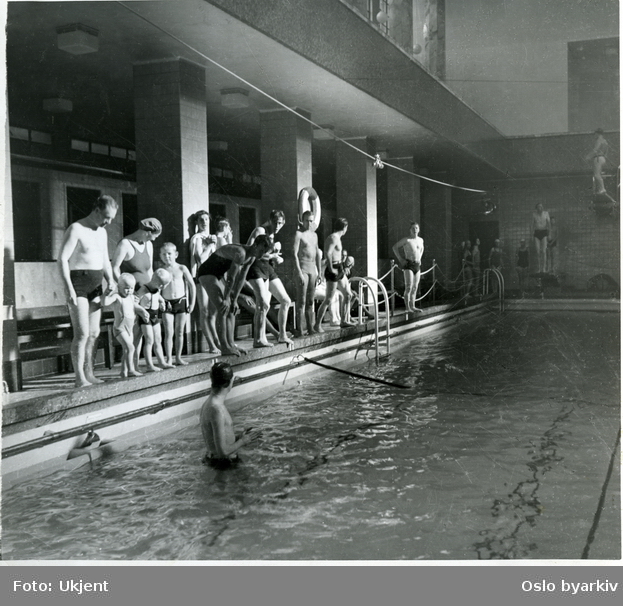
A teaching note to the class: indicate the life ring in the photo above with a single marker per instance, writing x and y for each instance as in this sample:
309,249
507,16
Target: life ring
309,200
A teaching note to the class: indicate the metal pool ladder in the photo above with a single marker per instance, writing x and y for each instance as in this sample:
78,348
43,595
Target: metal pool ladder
367,281
487,284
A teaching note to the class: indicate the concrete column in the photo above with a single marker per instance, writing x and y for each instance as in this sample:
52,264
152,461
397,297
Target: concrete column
356,201
171,145
286,164
403,201
11,366
436,228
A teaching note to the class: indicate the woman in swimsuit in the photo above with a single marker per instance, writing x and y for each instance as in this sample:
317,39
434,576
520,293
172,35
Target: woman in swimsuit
134,255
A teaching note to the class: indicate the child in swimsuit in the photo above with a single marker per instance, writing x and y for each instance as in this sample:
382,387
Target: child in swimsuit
179,296
150,299
125,308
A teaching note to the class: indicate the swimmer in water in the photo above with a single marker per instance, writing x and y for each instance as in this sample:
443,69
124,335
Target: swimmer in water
217,425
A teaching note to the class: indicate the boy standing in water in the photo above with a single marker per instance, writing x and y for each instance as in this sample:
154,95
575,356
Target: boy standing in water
125,308
179,296
217,425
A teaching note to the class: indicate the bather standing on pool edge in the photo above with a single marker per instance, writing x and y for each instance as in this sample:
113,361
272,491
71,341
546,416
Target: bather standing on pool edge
217,425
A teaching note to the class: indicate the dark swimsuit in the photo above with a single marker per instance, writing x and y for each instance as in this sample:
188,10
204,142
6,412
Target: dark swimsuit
155,315
176,306
414,266
87,282
523,259
221,463
262,269
139,266
214,265
337,274
539,234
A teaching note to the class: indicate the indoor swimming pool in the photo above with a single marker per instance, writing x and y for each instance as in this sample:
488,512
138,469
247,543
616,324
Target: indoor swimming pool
504,446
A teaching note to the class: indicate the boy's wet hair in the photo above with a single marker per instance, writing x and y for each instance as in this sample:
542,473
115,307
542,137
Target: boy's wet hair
221,374
126,280
168,245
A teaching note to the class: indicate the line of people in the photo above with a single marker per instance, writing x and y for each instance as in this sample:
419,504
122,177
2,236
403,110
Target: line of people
223,277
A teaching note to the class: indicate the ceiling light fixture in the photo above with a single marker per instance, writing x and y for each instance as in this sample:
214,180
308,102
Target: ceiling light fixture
77,39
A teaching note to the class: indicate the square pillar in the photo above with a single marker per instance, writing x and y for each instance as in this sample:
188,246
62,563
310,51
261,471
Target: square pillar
171,145
286,164
356,201
403,201
436,225
11,365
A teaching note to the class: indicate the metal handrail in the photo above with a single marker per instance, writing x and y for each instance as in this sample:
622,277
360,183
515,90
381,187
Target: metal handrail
366,281
486,283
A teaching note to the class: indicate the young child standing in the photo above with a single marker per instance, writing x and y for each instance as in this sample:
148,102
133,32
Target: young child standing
150,298
179,296
126,309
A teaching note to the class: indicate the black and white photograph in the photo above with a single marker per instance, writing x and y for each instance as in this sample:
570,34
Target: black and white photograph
312,281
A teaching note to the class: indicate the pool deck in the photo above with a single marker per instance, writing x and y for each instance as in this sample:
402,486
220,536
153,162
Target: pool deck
49,419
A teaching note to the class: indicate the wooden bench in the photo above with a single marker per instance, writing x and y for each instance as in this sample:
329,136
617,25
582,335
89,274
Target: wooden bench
44,333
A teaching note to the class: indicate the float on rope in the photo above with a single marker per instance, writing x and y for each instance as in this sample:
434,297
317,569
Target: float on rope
309,200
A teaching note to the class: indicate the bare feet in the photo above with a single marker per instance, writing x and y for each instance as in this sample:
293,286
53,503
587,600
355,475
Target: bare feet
318,329
135,373
93,380
215,351
153,369
297,334
181,362
284,339
231,352
347,324
167,365
259,344
82,383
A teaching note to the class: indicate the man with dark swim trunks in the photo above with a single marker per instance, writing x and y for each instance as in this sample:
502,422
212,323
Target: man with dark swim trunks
334,272
83,262
409,253
541,226
223,275
217,425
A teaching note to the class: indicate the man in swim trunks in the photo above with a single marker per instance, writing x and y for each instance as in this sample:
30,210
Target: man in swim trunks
541,227
333,273
83,262
223,275
179,296
217,425
598,157
307,259
265,282
409,253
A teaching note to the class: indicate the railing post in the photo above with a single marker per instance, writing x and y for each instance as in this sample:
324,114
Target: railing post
434,279
392,283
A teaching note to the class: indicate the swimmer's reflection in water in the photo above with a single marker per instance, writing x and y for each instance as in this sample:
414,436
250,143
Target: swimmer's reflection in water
216,423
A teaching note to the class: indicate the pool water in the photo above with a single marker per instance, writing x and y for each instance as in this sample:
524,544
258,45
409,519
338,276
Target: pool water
503,448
